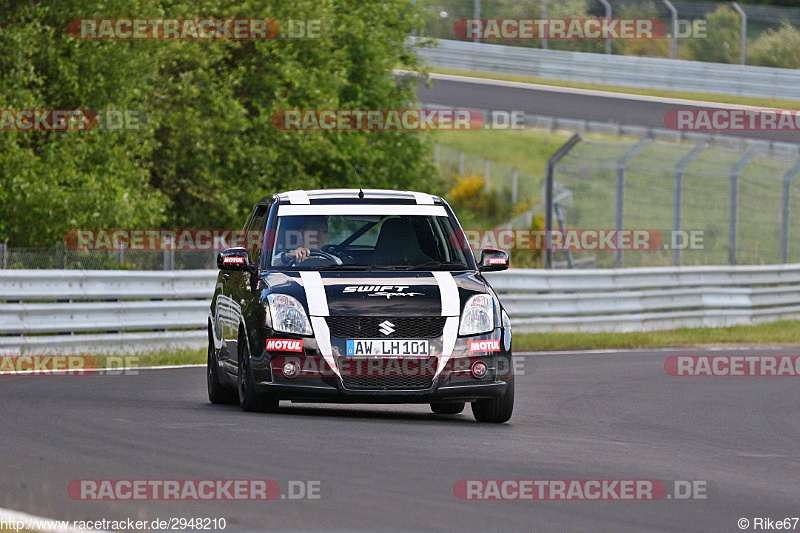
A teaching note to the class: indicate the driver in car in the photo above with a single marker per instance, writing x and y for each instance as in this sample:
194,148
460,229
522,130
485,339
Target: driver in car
311,232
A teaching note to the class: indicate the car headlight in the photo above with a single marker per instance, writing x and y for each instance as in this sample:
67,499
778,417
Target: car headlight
478,316
288,315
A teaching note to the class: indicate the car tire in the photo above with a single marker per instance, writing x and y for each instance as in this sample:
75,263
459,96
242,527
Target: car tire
496,410
217,392
249,399
447,408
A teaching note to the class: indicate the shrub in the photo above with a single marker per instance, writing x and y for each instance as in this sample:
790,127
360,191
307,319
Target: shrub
779,48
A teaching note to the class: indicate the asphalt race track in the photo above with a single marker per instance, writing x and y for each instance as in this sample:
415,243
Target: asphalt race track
566,103
577,416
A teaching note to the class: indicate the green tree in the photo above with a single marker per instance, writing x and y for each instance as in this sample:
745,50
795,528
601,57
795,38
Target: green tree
208,149
721,44
779,48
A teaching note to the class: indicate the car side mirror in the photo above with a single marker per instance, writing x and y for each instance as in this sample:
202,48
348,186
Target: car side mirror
493,260
236,259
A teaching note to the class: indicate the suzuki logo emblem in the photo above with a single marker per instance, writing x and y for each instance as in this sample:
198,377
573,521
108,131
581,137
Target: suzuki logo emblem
386,327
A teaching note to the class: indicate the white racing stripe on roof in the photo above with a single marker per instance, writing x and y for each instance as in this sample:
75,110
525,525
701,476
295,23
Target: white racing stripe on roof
362,209
298,197
423,198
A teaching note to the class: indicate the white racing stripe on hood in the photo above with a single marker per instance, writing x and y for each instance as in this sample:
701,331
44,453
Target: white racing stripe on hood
318,309
449,291
451,307
315,293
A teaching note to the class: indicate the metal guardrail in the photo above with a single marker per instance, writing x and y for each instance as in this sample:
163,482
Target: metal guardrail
645,72
54,311
91,311
644,299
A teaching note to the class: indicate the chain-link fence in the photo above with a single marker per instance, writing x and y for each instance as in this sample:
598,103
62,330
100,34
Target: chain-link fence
64,258
720,41
710,205
510,184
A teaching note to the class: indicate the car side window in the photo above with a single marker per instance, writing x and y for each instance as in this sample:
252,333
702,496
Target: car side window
254,237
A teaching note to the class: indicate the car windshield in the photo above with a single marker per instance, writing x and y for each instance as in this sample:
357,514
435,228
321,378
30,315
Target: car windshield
368,242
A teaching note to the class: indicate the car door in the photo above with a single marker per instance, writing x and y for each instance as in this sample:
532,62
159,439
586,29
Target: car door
228,310
242,284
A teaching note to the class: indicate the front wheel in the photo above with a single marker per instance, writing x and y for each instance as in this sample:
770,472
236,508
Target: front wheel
249,400
447,408
496,410
217,392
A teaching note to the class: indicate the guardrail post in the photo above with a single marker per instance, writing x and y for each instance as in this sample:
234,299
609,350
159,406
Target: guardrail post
514,186
743,33
548,195
3,254
786,211
544,16
620,218
677,216
61,257
608,16
673,45
476,14
733,211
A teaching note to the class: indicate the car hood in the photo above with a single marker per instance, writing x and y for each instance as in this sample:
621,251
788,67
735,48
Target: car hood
377,293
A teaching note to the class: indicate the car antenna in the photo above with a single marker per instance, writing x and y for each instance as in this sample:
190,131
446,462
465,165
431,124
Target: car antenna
360,190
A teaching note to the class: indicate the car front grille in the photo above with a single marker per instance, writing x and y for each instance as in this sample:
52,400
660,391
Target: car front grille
364,374
353,327
387,382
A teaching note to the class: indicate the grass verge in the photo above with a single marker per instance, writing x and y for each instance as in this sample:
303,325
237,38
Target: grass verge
663,93
527,150
782,332
159,358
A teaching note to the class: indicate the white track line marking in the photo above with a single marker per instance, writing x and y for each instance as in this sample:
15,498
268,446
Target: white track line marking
697,348
96,370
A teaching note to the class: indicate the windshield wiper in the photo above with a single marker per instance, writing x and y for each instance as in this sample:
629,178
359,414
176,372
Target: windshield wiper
344,266
456,265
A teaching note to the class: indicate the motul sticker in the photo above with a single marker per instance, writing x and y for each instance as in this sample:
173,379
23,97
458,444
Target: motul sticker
233,259
285,345
491,345
497,260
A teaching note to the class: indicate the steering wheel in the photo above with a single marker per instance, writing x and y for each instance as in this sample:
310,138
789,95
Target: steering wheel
334,250
322,254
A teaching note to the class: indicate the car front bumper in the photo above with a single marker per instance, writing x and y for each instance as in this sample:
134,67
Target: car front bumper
317,382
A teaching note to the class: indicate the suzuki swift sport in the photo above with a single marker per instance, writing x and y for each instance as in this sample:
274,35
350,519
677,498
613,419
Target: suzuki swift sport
359,297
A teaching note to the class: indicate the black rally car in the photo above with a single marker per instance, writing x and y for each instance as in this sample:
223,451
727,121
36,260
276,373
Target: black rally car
360,297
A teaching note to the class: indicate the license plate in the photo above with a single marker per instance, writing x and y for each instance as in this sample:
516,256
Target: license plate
387,347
